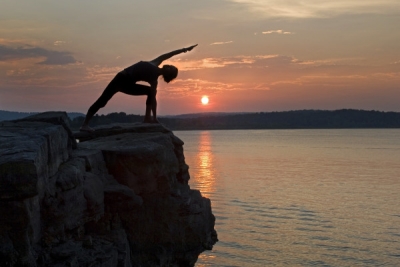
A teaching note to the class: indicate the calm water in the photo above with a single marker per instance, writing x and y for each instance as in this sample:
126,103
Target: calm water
299,197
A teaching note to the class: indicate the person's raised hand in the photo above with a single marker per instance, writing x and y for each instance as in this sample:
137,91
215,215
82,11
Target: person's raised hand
190,48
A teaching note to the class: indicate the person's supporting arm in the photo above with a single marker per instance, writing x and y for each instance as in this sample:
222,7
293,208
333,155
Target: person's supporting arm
166,56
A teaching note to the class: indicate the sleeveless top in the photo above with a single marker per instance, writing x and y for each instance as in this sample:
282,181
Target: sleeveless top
143,71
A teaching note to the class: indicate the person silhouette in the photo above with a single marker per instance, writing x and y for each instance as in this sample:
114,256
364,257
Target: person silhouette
126,82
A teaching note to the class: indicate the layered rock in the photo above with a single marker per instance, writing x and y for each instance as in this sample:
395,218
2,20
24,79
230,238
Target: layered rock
120,197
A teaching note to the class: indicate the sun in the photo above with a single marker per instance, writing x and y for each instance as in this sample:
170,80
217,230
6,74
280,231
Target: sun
204,100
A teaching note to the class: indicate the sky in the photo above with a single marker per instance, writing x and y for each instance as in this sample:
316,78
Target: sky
252,55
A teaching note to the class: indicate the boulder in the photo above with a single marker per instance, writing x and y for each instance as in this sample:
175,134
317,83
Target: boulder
30,153
118,197
57,118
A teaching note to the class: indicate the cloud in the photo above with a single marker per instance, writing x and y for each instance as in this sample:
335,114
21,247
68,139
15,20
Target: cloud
101,73
210,63
58,43
319,8
330,61
272,62
186,87
52,57
277,31
276,72
221,43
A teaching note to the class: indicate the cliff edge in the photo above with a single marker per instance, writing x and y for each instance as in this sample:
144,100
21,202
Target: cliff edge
118,197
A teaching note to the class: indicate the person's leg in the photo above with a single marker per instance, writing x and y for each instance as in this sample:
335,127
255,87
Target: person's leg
147,116
140,89
107,94
153,105
149,108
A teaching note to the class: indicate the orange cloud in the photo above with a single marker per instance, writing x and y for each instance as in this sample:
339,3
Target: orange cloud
205,63
185,87
221,43
277,32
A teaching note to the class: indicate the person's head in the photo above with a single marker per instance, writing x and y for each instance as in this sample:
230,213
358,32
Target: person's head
169,72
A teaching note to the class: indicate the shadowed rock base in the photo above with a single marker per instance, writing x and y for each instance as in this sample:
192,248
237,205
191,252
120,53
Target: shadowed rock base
119,197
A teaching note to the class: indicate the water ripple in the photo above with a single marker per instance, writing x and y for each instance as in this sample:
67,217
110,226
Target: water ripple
299,197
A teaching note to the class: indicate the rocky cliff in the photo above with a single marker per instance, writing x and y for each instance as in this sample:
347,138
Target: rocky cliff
119,197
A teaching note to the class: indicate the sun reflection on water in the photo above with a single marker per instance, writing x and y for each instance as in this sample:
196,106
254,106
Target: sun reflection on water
204,169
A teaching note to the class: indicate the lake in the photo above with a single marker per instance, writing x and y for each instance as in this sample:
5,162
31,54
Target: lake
299,197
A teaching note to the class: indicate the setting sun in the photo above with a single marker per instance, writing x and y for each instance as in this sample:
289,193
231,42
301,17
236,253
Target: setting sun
204,100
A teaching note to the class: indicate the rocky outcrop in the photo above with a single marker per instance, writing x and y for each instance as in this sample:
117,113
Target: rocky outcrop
119,197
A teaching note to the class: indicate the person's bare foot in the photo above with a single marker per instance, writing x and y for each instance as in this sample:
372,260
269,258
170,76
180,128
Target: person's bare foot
86,128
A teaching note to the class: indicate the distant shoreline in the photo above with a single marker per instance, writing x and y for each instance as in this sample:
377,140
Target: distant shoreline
282,120
300,119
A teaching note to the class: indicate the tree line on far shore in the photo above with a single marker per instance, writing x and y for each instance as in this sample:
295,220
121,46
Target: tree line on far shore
298,119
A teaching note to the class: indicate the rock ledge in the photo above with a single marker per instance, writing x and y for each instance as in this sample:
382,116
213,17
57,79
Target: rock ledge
118,197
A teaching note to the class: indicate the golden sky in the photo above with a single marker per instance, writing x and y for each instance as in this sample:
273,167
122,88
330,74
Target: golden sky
253,55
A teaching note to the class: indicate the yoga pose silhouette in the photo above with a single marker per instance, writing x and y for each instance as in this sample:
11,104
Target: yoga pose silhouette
126,82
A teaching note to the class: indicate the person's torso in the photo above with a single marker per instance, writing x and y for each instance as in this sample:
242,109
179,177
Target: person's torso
143,71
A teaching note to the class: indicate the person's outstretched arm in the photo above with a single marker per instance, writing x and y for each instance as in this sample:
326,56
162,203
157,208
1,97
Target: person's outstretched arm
160,59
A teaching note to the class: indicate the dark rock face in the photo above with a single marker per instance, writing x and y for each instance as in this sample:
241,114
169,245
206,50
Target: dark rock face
120,197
